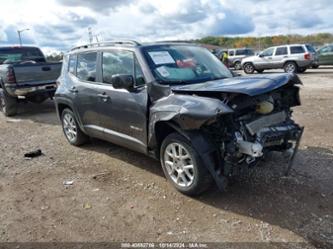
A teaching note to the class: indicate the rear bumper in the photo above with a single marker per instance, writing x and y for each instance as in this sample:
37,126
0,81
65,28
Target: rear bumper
305,63
27,91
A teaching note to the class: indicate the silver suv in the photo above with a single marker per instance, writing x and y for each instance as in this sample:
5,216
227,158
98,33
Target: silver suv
293,58
235,56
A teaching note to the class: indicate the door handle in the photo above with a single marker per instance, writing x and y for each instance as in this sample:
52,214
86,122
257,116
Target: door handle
269,58
285,56
73,89
46,68
103,96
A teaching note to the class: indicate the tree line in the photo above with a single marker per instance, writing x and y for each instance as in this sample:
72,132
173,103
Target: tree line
259,43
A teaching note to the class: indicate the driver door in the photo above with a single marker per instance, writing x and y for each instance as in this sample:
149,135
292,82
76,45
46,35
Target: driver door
124,112
265,59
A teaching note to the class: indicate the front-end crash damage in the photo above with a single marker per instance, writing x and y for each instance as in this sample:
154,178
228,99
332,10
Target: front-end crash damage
230,128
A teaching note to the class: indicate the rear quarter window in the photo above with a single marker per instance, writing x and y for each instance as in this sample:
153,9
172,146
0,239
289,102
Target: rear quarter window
296,50
72,64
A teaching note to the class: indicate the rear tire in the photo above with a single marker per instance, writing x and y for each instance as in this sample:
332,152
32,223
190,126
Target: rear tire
8,104
248,68
315,66
183,166
290,67
71,129
238,65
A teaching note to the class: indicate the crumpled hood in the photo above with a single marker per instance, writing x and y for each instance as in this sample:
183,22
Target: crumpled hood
250,85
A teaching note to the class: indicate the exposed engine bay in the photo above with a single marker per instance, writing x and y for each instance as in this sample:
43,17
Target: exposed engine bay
258,124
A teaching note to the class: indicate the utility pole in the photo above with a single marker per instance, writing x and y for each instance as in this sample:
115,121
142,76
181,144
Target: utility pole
19,35
90,35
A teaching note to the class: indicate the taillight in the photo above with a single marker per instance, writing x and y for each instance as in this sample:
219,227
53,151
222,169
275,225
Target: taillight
307,56
11,76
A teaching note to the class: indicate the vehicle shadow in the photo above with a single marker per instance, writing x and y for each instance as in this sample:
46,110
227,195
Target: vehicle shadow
40,113
137,159
301,202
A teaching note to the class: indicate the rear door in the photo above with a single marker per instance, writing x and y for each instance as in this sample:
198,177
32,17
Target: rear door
123,112
85,91
280,55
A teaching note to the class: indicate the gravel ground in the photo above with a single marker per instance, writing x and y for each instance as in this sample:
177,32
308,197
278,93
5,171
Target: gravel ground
120,195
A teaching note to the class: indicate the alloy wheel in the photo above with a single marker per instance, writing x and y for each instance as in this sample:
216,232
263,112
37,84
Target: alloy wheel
290,68
70,127
179,164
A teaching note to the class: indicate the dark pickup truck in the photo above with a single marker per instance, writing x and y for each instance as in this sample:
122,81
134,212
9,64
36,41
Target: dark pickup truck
25,75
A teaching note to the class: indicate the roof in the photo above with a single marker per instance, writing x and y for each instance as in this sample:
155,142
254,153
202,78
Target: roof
129,43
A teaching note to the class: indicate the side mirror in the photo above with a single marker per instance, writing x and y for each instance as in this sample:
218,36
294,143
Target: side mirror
122,81
261,55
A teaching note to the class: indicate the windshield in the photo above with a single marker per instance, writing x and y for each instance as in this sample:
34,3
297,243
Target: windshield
18,54
184,64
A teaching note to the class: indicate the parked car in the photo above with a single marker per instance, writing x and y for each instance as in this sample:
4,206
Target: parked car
235,56
294,58
25,75
179,104
325,56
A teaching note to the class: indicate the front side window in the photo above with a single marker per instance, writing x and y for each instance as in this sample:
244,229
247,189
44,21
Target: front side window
117,62
240,52
326,49
121,62
267,52
281,51
296,50
86,66
184,64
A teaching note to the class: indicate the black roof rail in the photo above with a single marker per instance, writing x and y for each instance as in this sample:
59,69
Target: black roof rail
107,43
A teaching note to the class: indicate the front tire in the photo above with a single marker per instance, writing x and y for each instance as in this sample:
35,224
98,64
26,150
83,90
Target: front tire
71,128
8,104
183,166
248,68
290,67
238,65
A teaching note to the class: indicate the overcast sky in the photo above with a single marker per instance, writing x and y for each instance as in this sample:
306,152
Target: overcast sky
61,24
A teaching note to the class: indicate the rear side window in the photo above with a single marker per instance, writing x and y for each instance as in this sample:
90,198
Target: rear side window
281,51
86,66
296,50
72,64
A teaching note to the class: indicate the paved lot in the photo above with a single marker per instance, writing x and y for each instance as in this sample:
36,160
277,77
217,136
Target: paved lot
120,195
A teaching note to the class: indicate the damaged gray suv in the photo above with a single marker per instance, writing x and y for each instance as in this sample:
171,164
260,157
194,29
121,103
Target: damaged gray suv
178,103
